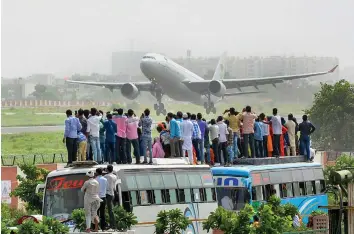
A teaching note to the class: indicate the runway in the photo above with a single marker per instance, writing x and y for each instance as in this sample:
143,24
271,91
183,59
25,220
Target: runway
14,130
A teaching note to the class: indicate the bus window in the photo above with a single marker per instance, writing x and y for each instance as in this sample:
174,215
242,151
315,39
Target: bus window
173,196
267,191
296,189
184,196
156,181
318,189
275,190
134,198
158,197
182,180
144,198
131,182
194,179
323,186
309,188
143,182
169,180
257,193
308,174
286,190
302,188
297,175
209,194
196,196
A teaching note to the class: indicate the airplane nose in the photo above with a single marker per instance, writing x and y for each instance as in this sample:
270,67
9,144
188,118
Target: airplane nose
146,68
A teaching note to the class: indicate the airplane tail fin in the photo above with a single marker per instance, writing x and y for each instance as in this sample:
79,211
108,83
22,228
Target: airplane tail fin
220,70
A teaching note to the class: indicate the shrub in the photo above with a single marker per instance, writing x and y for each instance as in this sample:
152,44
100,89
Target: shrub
172,222
78,216
53,226
124,220
10,215
4,229
29,227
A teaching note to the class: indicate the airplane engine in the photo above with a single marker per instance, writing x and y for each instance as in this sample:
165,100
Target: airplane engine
130,91
217,88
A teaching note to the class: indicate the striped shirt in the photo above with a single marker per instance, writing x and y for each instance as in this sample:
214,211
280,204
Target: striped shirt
196,130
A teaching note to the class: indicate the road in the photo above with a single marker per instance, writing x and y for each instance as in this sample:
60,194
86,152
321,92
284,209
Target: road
14,130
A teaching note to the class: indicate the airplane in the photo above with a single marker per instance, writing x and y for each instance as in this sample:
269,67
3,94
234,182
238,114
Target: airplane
169,78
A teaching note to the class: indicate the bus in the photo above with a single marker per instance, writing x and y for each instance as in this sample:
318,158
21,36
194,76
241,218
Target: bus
144,190
301,184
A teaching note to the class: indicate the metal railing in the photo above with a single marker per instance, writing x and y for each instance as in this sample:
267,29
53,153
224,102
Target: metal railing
12,160
309,231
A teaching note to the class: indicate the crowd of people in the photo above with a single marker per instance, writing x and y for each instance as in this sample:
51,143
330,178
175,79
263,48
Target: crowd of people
110,139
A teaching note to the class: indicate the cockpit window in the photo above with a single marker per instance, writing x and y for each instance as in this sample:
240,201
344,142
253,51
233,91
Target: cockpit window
149,57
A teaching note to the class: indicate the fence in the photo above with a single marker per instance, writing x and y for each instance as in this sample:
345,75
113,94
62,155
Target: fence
309,231
13,160
48,103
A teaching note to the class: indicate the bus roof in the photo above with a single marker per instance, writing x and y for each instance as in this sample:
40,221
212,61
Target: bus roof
118,167
245,170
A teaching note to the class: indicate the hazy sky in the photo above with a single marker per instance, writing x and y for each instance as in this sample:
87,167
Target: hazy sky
67,36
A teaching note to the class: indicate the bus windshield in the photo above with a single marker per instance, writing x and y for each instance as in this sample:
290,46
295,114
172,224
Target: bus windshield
63,195
233,198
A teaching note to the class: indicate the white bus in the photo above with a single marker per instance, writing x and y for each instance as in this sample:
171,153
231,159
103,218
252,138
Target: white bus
142,189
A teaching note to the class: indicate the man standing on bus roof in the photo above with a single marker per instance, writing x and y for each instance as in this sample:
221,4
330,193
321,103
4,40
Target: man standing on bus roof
102,181
277,132
306,128
111,188
91,201
72,126
145,123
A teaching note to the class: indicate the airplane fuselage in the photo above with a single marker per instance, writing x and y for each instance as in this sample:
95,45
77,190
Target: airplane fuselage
169,76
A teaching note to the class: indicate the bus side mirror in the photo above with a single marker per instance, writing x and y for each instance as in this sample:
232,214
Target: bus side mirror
340,177
40,188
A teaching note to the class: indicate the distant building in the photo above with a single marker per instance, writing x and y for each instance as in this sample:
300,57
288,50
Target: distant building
127,62
43,79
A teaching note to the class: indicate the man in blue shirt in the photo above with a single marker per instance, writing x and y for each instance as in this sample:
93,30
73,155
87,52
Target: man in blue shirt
175,135
258,138
72,126
196,137
306,129
111,130
202,126
102,181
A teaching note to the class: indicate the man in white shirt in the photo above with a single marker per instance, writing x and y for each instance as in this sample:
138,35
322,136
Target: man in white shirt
93,129
214,136
291,126
102,181
223,132
277,127
111,187
91,201
186,135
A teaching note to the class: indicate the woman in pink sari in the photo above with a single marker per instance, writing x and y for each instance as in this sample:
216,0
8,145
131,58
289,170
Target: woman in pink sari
157,150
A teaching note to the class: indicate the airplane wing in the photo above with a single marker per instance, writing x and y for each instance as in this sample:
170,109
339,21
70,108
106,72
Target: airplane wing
240,93
142,86
203,85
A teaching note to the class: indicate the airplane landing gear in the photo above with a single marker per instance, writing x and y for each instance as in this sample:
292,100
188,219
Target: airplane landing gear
159,107
209,106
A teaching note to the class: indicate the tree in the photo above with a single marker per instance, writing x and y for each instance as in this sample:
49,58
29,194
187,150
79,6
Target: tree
331,113
172,222
26,189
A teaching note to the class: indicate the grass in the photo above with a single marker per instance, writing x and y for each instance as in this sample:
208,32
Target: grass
30,144
49,116
44,145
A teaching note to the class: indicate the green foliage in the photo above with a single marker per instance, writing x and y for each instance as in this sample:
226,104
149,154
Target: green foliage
317,213
271,222
124,220
29,227
53,226
332,111
290,210
172,222
10,216
273,218
78,216
4,229
26,189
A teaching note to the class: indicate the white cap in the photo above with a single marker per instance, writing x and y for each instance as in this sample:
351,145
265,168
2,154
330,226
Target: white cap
90,174
185,115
